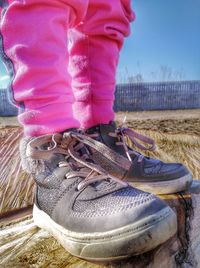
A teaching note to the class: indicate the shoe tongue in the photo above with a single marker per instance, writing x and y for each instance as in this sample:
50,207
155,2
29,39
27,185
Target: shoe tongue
103,129
107,128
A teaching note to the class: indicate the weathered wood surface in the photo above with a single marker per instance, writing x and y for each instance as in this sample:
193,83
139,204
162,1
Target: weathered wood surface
22,244
16,186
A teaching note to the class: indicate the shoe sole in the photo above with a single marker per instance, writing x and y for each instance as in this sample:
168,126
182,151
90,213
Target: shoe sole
165,187
121,243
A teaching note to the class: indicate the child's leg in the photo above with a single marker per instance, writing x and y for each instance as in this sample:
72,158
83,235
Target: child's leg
34,41
74,198
93,56
94,52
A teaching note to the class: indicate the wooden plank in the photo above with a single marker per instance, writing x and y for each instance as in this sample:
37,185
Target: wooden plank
16,186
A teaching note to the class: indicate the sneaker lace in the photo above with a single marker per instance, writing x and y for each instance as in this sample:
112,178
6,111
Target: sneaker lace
70,144
122,134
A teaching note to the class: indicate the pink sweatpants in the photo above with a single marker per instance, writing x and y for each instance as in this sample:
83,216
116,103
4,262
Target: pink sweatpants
58,84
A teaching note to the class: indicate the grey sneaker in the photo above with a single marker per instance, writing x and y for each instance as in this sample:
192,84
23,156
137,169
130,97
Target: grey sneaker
142,172
94,216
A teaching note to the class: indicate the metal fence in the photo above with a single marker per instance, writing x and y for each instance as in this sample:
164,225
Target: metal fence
141,97
6,108
157,96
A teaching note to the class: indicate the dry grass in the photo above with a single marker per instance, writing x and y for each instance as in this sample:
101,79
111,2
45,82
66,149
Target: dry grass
169,122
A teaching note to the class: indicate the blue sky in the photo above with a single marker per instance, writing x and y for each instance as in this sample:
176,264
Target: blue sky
165,40
164,43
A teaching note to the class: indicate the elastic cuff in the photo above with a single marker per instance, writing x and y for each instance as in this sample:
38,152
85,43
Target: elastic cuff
52,118
93,113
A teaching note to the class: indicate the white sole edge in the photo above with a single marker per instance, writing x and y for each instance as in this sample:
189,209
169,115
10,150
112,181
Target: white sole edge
127,241
165,187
